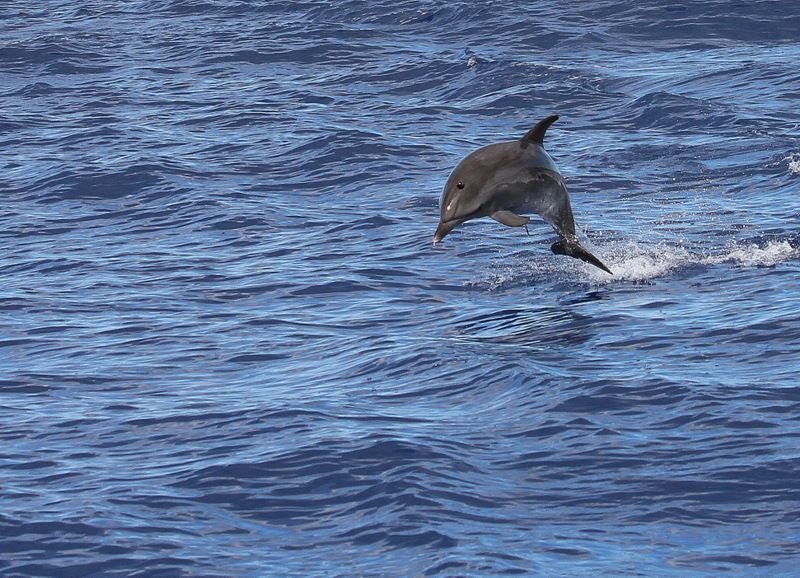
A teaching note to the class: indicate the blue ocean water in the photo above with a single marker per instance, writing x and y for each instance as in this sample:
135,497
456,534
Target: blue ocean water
229,346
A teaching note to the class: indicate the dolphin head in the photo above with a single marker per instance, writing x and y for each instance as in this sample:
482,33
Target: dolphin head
461,190
459,202
467,190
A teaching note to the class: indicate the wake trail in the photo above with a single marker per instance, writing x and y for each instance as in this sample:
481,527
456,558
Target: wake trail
633,261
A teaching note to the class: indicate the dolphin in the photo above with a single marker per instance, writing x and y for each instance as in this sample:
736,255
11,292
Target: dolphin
505,179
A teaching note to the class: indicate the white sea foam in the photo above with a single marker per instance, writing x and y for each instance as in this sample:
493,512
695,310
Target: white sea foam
637,262
794,163
752,255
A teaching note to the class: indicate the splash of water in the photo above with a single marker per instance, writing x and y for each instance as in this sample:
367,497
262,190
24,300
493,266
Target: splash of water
637,262
794,163
752,255
640,262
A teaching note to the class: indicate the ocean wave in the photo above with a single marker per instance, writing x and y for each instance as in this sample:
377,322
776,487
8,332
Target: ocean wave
230,346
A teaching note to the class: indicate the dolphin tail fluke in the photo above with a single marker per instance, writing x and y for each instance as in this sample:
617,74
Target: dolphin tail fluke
573,248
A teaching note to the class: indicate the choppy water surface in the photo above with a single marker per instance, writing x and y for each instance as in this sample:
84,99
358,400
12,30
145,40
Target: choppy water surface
229,346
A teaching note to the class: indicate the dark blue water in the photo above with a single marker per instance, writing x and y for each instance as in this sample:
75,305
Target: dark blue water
229,347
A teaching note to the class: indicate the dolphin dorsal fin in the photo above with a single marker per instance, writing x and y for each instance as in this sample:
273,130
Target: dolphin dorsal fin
536,134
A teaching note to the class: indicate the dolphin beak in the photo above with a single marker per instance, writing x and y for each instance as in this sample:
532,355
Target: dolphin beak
573,249
444,228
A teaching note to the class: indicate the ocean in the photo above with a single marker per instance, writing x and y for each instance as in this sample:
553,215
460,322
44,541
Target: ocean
229,346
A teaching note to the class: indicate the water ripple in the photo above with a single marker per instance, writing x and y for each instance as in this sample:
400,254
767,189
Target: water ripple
229,346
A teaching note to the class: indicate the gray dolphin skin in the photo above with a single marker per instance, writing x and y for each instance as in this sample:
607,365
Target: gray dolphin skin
505,179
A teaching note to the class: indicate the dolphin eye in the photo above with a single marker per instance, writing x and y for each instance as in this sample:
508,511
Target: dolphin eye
460,186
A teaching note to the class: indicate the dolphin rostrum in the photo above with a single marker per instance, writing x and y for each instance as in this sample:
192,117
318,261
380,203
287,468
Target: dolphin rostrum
505,179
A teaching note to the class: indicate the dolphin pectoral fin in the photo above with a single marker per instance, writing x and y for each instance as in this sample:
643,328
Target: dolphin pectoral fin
510,219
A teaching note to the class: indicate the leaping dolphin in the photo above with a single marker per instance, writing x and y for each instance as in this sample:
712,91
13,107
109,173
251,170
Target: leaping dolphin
505,179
